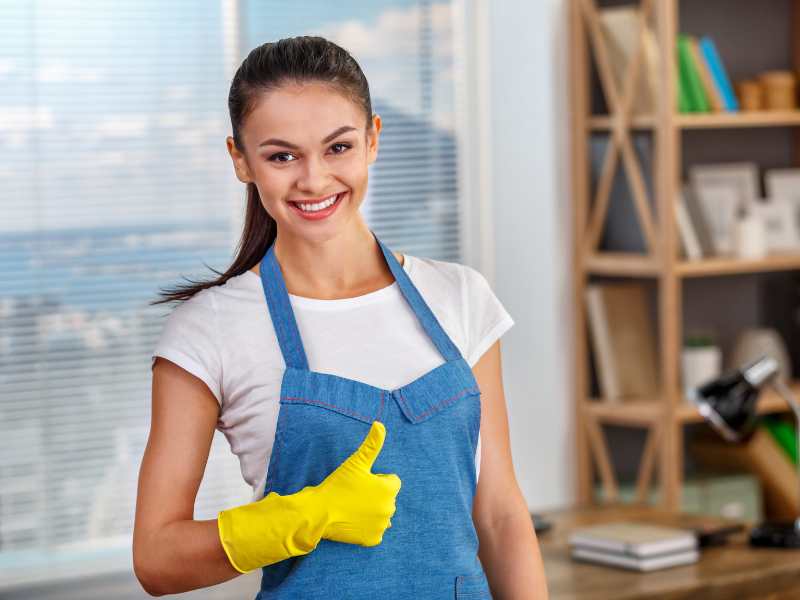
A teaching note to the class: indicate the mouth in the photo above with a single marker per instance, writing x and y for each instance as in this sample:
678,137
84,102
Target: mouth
317,208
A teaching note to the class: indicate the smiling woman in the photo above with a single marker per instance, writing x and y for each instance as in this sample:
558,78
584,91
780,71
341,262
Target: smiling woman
351,381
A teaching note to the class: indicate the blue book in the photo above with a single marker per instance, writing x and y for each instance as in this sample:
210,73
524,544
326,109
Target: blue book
719,74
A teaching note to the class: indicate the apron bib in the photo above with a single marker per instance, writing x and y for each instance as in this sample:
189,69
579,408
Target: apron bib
431,550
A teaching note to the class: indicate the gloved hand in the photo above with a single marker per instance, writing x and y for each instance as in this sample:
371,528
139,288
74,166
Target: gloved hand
351,505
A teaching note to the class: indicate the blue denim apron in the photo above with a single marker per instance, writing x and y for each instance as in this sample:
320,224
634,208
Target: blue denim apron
430,551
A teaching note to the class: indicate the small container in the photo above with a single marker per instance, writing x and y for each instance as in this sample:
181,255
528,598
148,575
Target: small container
699,364
779,89
750,94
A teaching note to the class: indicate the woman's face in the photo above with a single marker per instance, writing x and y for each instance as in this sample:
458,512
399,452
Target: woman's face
307,142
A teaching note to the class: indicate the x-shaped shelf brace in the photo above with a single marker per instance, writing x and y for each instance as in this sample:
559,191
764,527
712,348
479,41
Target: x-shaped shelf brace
602,460
620,115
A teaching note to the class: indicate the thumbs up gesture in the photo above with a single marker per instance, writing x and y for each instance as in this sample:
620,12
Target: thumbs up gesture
360,503
351,505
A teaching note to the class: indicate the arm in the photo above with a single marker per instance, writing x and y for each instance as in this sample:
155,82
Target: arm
509,551
171,551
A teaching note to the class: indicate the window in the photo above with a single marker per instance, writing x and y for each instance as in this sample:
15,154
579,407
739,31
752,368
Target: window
116,182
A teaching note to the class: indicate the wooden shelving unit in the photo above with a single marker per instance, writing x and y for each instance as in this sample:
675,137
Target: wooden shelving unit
665,416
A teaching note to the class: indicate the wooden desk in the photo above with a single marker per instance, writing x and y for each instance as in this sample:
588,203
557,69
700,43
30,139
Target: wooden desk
735,571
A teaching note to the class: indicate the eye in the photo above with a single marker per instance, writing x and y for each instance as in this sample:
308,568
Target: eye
274,157
343,145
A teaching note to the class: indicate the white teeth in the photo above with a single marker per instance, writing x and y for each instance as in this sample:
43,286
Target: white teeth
319,206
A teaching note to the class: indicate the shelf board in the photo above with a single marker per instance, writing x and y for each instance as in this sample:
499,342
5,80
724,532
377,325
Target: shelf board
606,123
725,120
651,410
627,412
760,118
733,266
622,264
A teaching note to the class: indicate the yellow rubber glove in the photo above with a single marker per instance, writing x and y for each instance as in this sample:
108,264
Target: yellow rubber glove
351,505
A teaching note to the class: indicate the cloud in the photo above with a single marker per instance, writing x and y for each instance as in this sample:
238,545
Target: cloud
388,52
395,33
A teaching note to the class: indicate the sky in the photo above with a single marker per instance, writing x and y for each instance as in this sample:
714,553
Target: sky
115,112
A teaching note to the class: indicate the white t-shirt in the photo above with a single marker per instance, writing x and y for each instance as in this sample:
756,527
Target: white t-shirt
224,336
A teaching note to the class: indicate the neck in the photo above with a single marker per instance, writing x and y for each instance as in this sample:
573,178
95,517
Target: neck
344,266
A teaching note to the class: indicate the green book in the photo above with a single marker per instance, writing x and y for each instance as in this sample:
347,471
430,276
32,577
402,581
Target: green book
683,99
690,77
784,434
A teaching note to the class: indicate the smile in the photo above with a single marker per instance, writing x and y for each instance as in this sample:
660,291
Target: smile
318,209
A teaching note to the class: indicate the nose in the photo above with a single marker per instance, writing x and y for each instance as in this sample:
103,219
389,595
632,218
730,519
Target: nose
314,175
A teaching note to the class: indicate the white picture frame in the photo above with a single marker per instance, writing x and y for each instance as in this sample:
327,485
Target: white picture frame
721,191
780,225
719,204
784,183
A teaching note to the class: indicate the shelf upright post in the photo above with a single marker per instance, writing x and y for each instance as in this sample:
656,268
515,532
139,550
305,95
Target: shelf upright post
579,108
794,35
667,180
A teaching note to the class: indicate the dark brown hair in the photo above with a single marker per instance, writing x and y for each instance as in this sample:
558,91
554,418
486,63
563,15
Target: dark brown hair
291,60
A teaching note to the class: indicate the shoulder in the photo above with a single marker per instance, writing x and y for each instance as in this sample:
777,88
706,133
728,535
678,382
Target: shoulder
451,276
441,271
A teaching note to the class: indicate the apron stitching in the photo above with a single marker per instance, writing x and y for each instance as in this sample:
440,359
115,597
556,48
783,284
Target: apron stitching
297,399
449,400
380,409
277,448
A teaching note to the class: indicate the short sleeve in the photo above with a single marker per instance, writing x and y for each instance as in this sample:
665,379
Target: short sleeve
189,339
486,318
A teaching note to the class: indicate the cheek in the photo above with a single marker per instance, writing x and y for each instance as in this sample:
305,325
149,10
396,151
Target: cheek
354,170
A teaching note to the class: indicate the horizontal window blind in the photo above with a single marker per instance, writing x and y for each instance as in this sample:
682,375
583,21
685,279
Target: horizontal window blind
406,50
116,183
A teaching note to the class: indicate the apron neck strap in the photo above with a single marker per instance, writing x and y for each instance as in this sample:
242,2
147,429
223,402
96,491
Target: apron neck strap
285,325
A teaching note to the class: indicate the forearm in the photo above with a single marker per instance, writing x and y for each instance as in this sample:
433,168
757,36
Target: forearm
183,556
509,553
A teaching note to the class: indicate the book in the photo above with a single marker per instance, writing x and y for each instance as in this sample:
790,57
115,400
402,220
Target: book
637,564
690,77
709,50
689,240
785,434
684,104
712,93
623,341
632,539
620,26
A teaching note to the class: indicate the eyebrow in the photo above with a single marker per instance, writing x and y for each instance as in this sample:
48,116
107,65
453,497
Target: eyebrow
277,142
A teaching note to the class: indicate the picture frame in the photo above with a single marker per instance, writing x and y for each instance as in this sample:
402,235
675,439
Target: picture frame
744,176
784,183
721,191
780,224
716,205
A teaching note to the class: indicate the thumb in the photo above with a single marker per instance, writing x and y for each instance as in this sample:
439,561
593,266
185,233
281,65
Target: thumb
366,454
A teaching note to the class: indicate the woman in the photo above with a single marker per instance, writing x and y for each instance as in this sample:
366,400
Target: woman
353,382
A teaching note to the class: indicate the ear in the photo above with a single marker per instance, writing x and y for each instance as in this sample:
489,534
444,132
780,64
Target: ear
372,139
239,162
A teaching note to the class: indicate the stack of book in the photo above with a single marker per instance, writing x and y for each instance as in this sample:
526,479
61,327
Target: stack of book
703,83
637,546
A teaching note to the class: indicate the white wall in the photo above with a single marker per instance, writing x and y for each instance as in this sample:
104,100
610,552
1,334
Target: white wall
530,209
